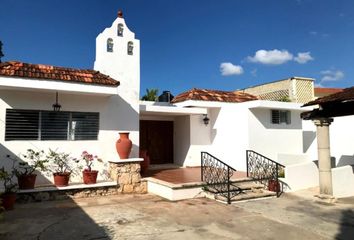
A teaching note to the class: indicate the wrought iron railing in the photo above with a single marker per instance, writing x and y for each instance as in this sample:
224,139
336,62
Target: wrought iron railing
217,176
264,170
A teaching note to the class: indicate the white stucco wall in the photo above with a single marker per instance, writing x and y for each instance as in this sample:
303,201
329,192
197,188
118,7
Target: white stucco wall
229,137
300,176
115,115
343,181
341,140
272,140
236,127
182,140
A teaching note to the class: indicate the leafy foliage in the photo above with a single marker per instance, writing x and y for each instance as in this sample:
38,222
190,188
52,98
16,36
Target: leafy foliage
6,177
151,95
284,99
35,161
89,160
60,162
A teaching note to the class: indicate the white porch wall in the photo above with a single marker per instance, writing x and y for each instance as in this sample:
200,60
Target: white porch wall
341,140
115,115
274,140
181,140
229,134
199,140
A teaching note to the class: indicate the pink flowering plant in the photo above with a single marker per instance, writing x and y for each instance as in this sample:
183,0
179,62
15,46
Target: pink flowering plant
89,160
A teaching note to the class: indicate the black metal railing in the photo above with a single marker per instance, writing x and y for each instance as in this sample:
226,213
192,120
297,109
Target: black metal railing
264,170
217,176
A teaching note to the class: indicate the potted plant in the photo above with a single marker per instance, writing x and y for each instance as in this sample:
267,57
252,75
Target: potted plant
89,175
25,170
273,185
8,197
61,165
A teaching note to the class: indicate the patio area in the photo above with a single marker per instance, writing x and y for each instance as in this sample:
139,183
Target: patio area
179,175
150,217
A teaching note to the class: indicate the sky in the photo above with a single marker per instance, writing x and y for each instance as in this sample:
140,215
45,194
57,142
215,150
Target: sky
212,44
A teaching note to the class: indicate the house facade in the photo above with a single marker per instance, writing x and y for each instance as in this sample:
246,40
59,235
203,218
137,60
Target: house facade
95,105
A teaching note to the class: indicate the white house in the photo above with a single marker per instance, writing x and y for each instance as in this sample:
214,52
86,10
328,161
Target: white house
97,104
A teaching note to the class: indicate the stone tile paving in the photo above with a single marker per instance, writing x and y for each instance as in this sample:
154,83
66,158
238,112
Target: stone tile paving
150,217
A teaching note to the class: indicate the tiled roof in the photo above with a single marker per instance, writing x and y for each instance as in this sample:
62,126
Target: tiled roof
344,96
213,95
327,90
40,71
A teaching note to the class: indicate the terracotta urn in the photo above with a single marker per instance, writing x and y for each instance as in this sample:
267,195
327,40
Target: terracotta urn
124,145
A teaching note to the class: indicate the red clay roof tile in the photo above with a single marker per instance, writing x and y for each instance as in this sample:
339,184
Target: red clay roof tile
327,90
346,95
28,70
213,95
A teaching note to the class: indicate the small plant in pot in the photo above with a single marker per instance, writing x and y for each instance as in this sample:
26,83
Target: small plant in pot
89,175
25,171
61,165
8,197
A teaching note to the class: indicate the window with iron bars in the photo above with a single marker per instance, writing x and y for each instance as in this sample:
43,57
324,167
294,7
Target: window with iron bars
50,125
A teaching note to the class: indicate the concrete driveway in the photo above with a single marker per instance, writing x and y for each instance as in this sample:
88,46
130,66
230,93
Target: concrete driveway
150,217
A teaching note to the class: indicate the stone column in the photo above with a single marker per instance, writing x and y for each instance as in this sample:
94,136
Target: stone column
324,155
127,174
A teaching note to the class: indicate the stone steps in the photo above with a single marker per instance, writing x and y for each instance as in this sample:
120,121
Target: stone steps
248,195
242,191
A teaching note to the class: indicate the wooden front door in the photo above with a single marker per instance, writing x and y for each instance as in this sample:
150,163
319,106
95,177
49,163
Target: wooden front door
157,138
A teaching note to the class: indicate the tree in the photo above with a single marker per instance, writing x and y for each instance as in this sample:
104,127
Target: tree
1,54
151,95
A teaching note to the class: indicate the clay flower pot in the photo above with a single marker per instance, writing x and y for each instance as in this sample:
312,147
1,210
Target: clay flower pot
124,145
8,200
61,179
273,185
90,177
26,181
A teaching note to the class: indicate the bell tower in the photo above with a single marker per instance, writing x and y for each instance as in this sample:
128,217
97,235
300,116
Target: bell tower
118,55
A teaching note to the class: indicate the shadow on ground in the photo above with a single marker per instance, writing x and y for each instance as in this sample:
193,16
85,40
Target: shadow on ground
346,230
50,220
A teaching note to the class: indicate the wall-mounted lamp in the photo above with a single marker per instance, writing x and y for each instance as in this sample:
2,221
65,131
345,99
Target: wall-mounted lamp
206,119
56,105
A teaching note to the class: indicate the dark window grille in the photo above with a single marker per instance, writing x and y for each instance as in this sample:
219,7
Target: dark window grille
50,125
281,116
84,126
109,45
21,124
54,125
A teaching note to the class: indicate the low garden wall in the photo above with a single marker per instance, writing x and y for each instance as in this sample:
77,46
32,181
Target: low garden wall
127,174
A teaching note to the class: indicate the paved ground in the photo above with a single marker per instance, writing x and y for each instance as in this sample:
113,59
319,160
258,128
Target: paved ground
150,217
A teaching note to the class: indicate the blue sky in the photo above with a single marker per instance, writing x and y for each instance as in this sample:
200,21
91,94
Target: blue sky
213,44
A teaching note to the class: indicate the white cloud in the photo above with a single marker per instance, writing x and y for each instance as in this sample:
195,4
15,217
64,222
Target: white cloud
303,57
228,69
271,57
331,75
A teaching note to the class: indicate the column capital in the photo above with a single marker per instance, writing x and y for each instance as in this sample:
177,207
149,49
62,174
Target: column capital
323,121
